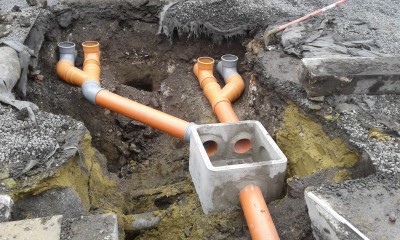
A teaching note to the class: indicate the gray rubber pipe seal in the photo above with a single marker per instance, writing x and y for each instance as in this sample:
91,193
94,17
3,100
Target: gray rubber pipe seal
90,89
188,131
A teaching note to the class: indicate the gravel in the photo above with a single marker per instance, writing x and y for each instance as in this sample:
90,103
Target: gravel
368,18
24,145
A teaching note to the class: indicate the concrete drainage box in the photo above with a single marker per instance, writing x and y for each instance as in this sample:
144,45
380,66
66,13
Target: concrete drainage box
241,153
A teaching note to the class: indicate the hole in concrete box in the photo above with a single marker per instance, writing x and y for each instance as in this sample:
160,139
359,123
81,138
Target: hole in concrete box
263,154
242,146
211,147
242,143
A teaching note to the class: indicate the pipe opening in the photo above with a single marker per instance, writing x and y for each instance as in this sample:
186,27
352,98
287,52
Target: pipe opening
211,147
66,47
229,58
205,60
242,146
91,46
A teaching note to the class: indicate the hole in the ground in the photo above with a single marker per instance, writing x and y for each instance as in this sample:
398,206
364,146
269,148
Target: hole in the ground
133,57
137,64
165,201
148,87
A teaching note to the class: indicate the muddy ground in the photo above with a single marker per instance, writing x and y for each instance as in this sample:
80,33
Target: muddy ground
153,70
150,167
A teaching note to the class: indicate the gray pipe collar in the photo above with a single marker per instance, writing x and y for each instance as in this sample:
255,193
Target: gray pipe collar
227,66
90,89
67,51
188,131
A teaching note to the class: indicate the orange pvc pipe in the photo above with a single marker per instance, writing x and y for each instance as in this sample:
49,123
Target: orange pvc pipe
91,71
154,118
253,204
221,105
257,215
91,65
69,73
233,88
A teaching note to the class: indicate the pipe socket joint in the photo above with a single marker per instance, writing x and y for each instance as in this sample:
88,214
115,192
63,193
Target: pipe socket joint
67,51
227,66
90,89
91,47
189,131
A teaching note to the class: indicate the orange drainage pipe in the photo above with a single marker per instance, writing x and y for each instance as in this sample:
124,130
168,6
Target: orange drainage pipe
257,215
91,64
253,204
88,79
221,105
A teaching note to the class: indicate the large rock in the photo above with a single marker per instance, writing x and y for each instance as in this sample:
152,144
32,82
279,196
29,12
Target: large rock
338,76
6,205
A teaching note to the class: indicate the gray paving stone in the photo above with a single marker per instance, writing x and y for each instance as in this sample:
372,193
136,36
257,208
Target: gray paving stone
48,228
340,76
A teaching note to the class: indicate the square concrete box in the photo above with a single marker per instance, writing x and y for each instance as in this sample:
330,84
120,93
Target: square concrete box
239,154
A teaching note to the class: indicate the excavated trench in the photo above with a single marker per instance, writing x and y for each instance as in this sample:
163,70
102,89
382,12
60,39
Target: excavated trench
151,168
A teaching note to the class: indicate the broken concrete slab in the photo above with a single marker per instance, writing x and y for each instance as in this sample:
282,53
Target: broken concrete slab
32,229
336,76
6,205
357,209
93,227
48,204
327,223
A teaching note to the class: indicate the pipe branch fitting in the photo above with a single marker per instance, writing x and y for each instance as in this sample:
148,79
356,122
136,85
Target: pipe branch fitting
227,67
92,91
220,104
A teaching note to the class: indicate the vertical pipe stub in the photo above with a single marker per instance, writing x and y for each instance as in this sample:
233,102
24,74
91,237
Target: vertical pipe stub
227,66
67,51
66,47
229,60
91,46
205,63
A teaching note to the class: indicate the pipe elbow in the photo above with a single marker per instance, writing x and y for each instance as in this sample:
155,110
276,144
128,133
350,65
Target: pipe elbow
234,82
70,74
90,89
227,66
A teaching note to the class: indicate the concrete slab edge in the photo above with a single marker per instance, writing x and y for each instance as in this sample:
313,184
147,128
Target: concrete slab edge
318,207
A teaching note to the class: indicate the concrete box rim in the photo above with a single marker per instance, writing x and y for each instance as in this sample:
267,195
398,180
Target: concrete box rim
281,160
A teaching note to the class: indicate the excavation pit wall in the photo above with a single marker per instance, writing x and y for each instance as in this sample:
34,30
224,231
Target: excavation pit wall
147,171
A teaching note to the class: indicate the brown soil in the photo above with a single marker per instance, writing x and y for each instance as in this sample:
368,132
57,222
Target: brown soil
153,167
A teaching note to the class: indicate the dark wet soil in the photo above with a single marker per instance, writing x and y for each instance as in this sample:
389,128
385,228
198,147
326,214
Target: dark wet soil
157,72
